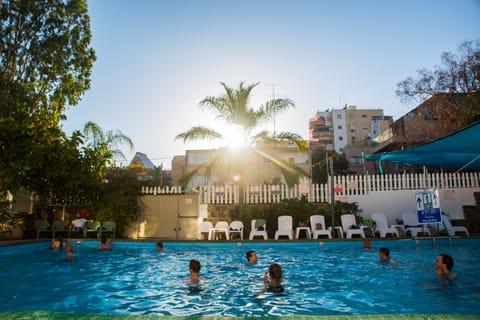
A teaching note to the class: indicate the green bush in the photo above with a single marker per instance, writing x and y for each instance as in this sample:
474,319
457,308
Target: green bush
118,200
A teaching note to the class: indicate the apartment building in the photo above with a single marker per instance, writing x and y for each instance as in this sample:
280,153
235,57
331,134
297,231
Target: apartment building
335,129
436,117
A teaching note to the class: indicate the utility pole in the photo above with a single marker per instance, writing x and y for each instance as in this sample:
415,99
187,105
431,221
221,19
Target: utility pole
332,195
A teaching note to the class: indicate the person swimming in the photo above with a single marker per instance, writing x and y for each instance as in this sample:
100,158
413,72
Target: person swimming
384,254
69,251
57,243
275,284
251,257
105,244
444,264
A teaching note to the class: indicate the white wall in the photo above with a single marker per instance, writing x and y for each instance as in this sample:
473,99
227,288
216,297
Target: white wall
393,203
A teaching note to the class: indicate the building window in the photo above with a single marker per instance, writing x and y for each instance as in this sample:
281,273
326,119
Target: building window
339,116
364,116
339,127
340,138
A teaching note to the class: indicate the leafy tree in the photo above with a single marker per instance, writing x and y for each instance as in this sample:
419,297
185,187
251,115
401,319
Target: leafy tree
457,76
105,144
118,198
45,65
46,58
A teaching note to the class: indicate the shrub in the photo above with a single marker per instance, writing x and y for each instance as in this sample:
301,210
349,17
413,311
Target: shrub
299,209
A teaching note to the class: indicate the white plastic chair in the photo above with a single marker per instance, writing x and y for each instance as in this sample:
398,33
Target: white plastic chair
285,227
204,227
255,232
236,228
220,227
349,225
451,230
318,227
410,221
382,226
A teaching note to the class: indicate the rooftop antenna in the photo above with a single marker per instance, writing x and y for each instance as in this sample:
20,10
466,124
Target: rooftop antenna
273,85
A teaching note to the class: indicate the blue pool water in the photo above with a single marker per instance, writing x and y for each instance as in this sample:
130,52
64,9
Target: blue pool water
329,278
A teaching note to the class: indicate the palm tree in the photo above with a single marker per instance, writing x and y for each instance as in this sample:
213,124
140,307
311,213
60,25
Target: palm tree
233,109
105,144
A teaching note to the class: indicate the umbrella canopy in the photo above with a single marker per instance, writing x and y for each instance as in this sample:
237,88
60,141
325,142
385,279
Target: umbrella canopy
459,150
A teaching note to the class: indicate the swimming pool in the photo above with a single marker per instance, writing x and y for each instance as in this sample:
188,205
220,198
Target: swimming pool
322,278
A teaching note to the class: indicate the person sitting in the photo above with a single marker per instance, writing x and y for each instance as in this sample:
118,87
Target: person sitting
275,283
251,257
105,244
444,264
78,224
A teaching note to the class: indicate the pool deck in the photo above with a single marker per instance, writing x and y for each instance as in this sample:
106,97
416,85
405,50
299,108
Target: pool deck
8,242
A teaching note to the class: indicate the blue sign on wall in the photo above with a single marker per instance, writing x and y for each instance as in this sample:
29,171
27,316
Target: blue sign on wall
428,206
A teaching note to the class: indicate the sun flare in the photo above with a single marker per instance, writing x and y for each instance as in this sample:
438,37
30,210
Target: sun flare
234,137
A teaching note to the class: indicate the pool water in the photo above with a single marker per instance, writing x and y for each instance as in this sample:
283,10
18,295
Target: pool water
321,278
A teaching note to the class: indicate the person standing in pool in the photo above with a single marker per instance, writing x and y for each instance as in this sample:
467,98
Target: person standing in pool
194,268
251,257
444,264
275,282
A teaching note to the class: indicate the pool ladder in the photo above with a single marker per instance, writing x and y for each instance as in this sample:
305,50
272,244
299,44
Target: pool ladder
450,242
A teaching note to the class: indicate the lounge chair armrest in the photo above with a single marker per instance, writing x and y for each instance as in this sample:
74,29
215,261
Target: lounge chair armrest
401,226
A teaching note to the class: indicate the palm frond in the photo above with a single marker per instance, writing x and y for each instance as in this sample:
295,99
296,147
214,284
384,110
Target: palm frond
199,133
267,138
274,107
263,136
292,173
297,139
207,167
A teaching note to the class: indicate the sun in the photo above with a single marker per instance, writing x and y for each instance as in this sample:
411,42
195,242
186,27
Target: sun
234,137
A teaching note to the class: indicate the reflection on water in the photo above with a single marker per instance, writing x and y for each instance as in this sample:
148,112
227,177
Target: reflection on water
327,279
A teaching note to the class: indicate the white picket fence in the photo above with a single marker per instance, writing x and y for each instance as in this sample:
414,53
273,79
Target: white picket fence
343,186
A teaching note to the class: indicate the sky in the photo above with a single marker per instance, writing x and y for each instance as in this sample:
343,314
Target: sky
157,59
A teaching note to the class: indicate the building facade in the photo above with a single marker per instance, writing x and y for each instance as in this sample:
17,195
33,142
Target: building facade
261,165
334,129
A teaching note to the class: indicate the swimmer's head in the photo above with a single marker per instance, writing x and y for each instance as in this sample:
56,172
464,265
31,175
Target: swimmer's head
251,256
